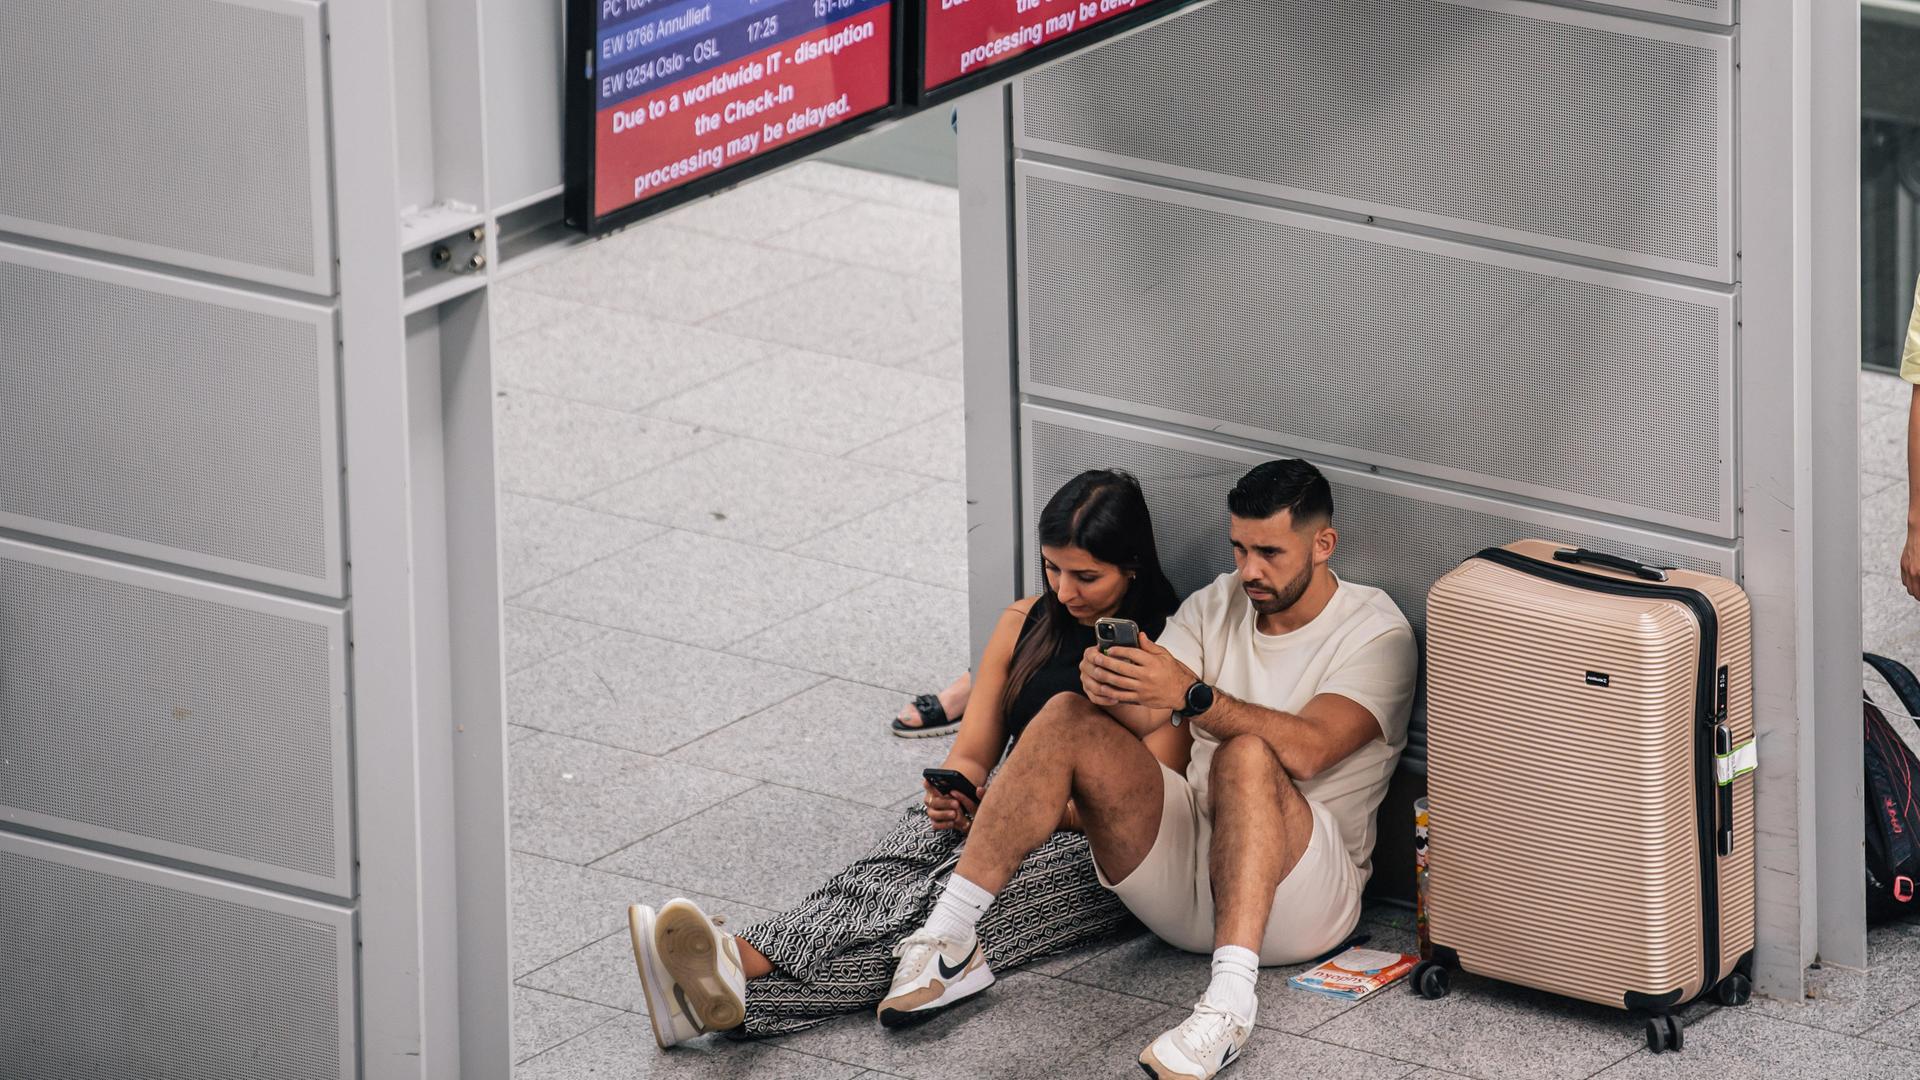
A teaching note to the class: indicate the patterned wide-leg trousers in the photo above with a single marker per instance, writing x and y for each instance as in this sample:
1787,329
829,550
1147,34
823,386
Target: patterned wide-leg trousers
833,953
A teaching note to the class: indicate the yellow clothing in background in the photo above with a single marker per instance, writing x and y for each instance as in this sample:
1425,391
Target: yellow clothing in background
1910,358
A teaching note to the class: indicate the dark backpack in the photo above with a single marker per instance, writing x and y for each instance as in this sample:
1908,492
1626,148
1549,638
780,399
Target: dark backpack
1892,803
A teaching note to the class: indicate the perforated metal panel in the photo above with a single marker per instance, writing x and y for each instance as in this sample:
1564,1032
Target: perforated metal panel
176,421
1708,11
118,970
1583,387
187,131
1578,132
1394,534
174,717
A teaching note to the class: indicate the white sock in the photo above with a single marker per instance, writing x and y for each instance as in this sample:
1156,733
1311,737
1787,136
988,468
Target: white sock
1234,972
959,910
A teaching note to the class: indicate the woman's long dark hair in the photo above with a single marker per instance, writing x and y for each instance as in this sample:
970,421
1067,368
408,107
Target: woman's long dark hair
1102,512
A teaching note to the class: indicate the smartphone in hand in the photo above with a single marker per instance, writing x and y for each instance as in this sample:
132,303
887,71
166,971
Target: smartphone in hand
952,782
1111,632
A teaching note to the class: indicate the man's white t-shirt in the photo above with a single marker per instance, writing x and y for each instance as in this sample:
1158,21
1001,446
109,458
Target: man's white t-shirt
1360,647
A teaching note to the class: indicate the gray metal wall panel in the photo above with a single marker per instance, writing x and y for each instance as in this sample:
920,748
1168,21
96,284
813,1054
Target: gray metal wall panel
1719,12
1583,387
169,716
525,45
1395,534
115,969
1586,134
190,132
171,420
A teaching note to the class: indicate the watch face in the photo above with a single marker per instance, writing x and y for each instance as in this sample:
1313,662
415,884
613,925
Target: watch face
1199,699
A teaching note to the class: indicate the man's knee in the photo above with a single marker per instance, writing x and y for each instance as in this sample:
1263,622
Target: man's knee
1066,714
1245,758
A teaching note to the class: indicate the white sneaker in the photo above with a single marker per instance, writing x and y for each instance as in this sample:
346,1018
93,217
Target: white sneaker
934,975
1204,1043
689,971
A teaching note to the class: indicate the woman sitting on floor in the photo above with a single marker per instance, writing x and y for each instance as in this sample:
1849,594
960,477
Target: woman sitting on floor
834,953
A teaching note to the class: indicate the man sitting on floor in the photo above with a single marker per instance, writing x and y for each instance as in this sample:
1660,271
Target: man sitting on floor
1298,686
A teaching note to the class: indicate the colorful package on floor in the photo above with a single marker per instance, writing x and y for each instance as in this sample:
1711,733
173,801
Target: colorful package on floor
1356,974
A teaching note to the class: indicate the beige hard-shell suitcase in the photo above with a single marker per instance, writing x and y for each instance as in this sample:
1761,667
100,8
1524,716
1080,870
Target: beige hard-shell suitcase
1589,769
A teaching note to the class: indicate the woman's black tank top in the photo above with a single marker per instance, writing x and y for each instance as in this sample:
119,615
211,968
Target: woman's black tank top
1059,675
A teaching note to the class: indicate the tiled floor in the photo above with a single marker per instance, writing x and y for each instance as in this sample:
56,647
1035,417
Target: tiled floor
735,543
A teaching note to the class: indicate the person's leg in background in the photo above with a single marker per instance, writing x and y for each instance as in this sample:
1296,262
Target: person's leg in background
935,714
1910,371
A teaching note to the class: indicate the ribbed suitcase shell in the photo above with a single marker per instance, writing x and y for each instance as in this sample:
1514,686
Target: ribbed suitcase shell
1564,845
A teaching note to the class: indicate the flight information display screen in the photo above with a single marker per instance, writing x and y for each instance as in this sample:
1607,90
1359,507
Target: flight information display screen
964,43
689,95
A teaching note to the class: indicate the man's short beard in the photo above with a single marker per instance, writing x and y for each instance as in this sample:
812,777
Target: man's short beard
1285,597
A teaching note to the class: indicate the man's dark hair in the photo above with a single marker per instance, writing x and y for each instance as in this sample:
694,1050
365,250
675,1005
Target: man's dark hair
1273,486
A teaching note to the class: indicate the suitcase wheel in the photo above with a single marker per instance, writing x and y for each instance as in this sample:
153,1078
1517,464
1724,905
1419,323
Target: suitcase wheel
1736,989
1666,1033
1431,981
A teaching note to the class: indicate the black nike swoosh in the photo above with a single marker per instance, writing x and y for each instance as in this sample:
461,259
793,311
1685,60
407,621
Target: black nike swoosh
949,972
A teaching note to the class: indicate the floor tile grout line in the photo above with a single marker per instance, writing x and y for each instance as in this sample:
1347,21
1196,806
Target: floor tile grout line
941,585
530,1059
785,352
855,202
753,782
697,324
1867,1036
847,203
508,665
1909,1009
961,408
618,1009
730,646
711,322
821,189
871,268
630,548
704,321
656,639
595,865
667,758
926,482
727,649
704,427
943,214
1810,1026
628,877
836,527
639,410
576,500
1616,1063
696,740
544,582
863,1070
770,444
617,1014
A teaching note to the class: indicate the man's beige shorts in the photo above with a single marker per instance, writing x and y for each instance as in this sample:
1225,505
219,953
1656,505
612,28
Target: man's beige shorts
1314,909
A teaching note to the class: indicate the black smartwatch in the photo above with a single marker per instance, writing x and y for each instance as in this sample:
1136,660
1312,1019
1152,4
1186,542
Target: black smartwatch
1199,700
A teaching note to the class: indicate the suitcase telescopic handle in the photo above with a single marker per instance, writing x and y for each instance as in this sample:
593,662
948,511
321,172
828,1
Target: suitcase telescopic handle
1611,562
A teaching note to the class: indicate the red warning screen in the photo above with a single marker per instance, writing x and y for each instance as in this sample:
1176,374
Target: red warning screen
967,37
689,88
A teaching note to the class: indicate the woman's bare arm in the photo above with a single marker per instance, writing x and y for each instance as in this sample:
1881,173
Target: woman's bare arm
983,728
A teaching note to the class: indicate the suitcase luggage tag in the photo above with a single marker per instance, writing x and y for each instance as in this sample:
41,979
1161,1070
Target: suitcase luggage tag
1729,761
1735,762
